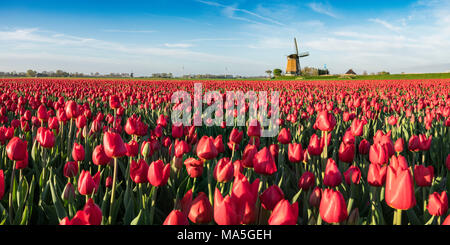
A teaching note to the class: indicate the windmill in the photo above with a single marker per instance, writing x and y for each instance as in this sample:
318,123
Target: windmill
293,63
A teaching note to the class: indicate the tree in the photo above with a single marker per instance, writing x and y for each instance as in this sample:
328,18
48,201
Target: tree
269,72
31,73
277,72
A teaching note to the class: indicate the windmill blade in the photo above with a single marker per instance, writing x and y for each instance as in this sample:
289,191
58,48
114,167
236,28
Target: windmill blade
304,54
296,48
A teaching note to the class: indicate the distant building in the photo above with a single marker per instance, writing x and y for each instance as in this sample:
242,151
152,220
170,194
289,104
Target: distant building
350,72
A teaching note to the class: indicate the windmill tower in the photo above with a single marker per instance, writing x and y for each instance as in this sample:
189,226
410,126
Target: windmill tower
293,63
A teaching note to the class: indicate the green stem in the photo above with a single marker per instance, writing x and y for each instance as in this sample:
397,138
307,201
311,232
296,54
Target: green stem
153,206
113,191
11,193
398,217
209,171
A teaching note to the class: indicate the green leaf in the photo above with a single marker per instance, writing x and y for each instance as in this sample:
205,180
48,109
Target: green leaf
137,220
60,211
295,198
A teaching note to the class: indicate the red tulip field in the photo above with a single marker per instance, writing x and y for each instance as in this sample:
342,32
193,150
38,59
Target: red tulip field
108,152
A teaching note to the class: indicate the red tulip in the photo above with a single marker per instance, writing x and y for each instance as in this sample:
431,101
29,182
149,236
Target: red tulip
284,137
218,143
295,153
201,211
177,131
248,155
158,173
81,121
99,156
399,192
93,213
376,175
45,137
224,170
131,126
132,148
88,184
424,142
414,144
332,175
70,169
438,204
332,206
139,171
274,149
398,146
254,128
114,102
447,162
113,145
42,113
2,184
71,109
194,167
378,154
364,147
162,120
271,196
357,127
206,148
78,152
236,136
225,210
16,149
315,197
284,213
181,147
245,194
315,147
176,217
263,162
346,152
306,181
352,175
325,121
423,175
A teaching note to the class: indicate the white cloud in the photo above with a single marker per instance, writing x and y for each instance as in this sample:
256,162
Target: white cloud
129,31
322,9
178,45
386,24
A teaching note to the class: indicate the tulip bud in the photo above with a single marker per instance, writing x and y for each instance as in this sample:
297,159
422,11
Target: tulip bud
68,192
315,197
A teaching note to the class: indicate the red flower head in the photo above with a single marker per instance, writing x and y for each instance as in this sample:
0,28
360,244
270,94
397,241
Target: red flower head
139,171
295,153
158,173
263,162
332,175
206,148
271,196
99,156
332,206
113,145
284,213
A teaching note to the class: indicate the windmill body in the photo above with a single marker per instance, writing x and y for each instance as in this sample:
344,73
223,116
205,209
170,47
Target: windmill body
293,62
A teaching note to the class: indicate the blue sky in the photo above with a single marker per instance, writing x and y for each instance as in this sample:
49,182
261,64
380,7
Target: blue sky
218,37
